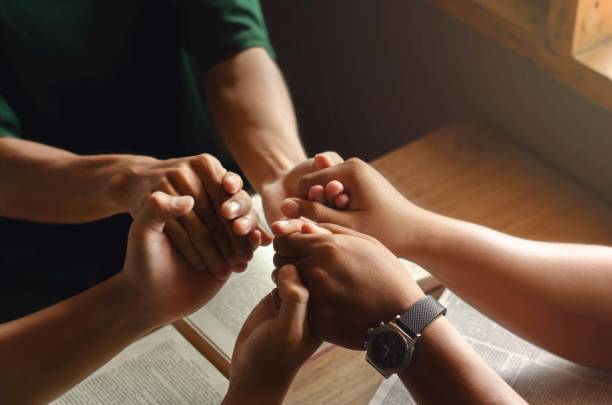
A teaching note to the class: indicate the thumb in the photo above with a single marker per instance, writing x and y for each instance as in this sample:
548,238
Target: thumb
326,159
159,208
341,230
296,207
294,298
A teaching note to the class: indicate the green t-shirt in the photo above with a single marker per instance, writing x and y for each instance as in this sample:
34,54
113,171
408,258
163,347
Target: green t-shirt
105,76
116,76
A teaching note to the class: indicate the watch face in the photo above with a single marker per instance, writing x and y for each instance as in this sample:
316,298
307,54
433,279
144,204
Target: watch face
387,349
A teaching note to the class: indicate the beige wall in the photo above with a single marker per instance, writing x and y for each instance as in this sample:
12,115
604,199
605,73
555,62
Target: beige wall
368,76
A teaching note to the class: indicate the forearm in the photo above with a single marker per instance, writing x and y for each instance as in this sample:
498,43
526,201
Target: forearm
43,183
445,369
46,353
555,295
253,111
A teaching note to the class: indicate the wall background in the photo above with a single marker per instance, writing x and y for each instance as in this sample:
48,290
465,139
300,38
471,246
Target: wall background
369,76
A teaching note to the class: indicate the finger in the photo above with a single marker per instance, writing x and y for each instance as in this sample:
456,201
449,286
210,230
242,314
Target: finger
342,201
211,174
339,229
208,215
241,267
332,190
301,262
295,245
266,237
201,237
232,183
182,243
237,205
245,224
317,193
200,233
295,208
294,299
159,208
327,159
286,226
342,172
311,228
255,239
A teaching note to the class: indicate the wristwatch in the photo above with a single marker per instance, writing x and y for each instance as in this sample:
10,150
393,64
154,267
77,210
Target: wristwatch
389,346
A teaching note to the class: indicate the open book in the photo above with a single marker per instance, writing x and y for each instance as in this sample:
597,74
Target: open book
537,375
188,362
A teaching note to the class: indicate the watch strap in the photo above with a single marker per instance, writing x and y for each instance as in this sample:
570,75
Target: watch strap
419,315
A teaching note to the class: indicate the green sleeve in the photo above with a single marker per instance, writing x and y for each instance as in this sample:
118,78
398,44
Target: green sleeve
9,125
213,30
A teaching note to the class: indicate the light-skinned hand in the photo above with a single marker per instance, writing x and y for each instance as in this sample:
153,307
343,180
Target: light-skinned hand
372,206
286,185
354,281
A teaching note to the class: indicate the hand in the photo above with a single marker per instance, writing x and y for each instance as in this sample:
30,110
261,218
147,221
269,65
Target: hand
222,231
354,281
274,342
286,185
156,274
373,205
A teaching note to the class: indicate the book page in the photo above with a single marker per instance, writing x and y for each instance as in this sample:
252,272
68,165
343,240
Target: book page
221,319
161,368
537,375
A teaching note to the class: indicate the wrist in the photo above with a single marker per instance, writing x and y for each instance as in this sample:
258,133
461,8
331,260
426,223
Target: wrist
128,174
274,169
132,307
421,233
432,347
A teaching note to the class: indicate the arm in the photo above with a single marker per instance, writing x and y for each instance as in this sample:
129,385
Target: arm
45,354
355,283
556,295
254,113
446,369
43,183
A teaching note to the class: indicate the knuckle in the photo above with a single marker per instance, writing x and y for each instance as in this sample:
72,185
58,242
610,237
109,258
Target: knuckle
164,184
304,183
296,293
334,156
316,278
355,161
204,160
157,199
329,247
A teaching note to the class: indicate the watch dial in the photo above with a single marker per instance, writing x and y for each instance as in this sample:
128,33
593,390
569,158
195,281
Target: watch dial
388,349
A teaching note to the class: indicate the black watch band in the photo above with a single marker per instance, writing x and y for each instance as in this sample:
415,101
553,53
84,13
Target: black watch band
419,315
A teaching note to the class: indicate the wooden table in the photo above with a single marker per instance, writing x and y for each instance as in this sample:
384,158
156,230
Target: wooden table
466,171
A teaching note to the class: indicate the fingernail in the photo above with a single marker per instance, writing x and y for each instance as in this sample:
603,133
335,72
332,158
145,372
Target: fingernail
233,207
244,223
291,208
181,202
283,222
